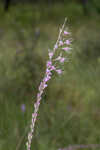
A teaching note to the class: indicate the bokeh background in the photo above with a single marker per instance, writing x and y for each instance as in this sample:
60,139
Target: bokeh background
70,109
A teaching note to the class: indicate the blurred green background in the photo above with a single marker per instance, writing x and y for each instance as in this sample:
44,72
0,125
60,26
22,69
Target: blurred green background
70,109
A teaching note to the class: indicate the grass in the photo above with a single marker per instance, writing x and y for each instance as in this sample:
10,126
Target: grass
69,113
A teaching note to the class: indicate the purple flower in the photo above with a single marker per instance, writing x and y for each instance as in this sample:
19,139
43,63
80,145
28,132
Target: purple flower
47,71
68,42
62,60
50,66
49,63
59,71
34,115
45,85
61,43
66,33
47,78
66,48
23,108
56,46
50,55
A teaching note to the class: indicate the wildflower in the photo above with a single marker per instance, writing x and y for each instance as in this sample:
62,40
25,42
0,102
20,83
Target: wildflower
68,42
49,63
34,114
23,108
56,46
66,49
62,60
47,78
50,55
51,66
59,71
45,85
48,71
61,43
66,33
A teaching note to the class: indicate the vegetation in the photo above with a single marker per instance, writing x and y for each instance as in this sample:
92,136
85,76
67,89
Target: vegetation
69,112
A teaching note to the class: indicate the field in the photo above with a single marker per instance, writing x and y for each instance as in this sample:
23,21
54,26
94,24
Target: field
70,109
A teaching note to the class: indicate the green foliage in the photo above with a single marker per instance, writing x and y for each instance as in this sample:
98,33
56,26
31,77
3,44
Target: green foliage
69,112
88,45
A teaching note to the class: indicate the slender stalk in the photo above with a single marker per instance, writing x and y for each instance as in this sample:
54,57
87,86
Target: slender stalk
50,67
